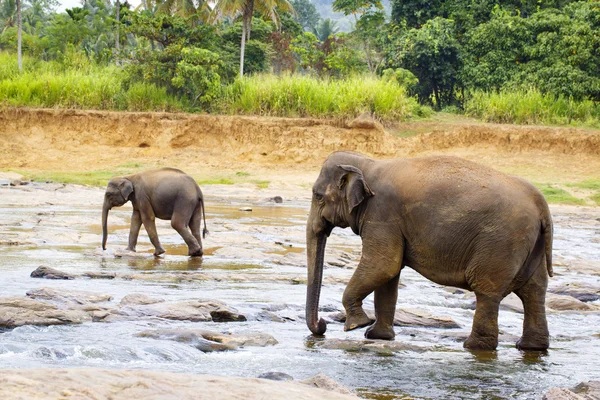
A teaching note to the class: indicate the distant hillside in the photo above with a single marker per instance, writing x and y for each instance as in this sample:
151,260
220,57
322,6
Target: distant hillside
346,24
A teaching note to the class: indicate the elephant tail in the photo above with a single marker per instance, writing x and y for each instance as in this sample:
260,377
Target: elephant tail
548,230
204,231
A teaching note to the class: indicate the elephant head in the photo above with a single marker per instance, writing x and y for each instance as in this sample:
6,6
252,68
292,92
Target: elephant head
339,198
118,192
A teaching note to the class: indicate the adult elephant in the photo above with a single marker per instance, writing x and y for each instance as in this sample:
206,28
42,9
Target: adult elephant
455,222
165,193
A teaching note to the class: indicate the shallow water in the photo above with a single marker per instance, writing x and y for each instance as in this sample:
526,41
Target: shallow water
66,238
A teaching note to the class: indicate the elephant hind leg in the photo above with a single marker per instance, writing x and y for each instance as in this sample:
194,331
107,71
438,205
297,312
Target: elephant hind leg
179,222
484,334
533,295
195,224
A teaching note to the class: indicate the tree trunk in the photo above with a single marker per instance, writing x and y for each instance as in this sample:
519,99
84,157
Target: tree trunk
250,14
118,18
243,46
19,36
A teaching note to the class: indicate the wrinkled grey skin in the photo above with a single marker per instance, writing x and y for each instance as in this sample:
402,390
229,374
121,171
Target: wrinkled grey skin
165,193
455,222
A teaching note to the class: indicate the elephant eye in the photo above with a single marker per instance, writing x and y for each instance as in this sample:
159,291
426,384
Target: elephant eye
318,196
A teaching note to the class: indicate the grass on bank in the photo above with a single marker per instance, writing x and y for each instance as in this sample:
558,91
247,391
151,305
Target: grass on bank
532,107
305,96
82,86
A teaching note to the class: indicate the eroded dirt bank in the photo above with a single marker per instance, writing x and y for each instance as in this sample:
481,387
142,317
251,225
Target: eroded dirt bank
204,145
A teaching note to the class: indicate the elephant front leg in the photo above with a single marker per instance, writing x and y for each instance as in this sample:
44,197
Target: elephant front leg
385,309
153,235
378,271
134,230
484,334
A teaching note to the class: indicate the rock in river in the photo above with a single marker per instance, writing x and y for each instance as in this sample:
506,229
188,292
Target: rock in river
207,341
583,391
80,383
68,296
408,318
19,311
50,273
192,310
384,347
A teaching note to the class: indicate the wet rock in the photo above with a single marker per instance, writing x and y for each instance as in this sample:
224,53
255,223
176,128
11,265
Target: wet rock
274,199
584,391
193,310
276,376
405,317
561,394
584,267
384,347
512,302
245,209
268,316
50,273
68,296
122,253
100,275
139,299
580,291
558,302
19,311
207,341
322,381
55,383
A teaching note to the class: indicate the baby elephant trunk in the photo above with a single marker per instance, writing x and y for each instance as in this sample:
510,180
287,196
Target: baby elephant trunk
105,209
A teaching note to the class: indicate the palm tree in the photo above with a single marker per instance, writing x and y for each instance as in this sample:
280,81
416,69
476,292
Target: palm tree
246,9
19,36
325,28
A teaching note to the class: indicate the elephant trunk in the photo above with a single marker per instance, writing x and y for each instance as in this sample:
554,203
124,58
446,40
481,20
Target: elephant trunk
105,208
315,248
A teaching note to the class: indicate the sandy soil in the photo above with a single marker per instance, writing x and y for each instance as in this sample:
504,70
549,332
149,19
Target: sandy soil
283,151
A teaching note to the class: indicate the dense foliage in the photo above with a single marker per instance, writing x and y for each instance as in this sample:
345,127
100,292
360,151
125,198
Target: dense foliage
455,54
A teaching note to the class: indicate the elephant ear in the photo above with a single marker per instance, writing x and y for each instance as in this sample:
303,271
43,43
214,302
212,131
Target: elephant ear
126,188
353,183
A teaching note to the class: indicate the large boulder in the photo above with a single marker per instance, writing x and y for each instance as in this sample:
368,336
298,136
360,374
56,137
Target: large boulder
581,291
559,302
86,383
19,311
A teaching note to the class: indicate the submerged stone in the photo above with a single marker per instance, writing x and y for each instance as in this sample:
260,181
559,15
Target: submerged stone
50,273
276,376
20,311
68,296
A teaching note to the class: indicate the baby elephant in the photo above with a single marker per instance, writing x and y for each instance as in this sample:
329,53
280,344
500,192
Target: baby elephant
165,193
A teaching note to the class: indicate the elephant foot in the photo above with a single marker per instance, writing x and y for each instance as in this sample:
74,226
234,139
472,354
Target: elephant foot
130,249
196,253
481,342
355,322
159,251
376,331
538,343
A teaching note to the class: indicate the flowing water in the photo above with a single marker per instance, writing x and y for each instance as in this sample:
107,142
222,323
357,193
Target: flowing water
254,245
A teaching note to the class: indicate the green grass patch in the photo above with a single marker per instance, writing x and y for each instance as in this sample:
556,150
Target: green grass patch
532,107
590,184
260,184
216,181
93,178
554,194
304,96
242,173
596,198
